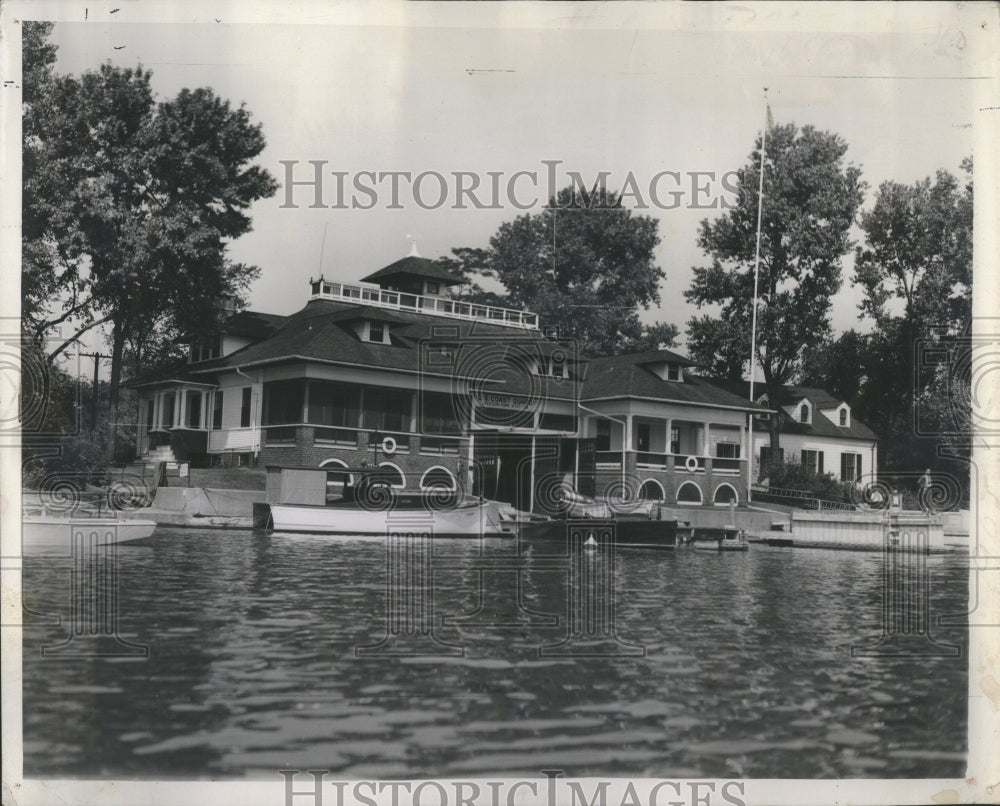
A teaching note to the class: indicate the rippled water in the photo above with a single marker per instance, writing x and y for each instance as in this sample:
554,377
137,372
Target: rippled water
252,667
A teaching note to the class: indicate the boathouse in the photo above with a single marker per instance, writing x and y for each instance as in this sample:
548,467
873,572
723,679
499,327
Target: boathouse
444,394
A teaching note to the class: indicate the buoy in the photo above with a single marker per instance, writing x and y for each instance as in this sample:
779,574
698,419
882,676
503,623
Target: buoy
389,445
691,464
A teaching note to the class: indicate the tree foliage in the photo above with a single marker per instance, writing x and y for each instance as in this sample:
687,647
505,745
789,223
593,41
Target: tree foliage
810,200
585,265
130,204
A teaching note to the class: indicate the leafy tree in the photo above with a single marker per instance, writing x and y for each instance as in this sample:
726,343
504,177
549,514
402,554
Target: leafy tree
810,201
131,204
915,269
584,264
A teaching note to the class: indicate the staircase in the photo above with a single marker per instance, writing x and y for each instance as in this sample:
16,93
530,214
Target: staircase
164,454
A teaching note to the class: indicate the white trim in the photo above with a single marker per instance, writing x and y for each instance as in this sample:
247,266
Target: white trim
725,503
399,470
663,493
676,403
701,497
328,463
454,482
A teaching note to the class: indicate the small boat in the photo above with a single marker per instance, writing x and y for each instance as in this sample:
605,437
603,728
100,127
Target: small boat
642,527
42,532
371,506
728,538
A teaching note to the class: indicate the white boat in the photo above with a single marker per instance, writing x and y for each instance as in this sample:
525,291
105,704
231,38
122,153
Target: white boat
58,533
300,503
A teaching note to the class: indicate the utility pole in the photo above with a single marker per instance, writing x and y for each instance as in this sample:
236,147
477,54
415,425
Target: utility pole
94,392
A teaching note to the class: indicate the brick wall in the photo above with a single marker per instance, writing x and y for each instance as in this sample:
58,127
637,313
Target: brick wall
412,463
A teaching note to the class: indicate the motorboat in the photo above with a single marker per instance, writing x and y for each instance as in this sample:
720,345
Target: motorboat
299,501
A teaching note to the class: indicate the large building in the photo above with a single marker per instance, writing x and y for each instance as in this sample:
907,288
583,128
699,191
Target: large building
441,393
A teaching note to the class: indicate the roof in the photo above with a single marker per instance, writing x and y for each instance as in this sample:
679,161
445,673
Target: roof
320,332
253,324
176,372
414,266
820,426
630,376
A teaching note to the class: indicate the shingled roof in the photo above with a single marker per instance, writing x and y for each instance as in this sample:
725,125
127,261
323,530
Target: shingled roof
413,266
820,426
631,376
321,332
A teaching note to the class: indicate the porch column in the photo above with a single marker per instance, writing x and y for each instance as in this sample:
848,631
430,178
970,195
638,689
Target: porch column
179,408
670,427
413,413
706,434
628,433
305,402
203,418
156,410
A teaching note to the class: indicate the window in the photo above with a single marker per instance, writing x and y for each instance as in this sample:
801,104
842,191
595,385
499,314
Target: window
850,466
217,411
192,417
675,440
167,417
376,331
813,460
433,288
603,442
439,413
727,450
245,407
283,402
334,404
804,413
673,372
843,418
438,478
652,490
642,437
387,409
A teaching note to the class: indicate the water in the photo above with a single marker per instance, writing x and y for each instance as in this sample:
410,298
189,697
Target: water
252,667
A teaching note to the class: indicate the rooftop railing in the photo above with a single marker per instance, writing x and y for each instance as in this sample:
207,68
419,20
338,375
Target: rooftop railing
418,303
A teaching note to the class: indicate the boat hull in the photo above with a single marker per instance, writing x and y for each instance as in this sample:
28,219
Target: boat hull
48,533
463,521
644,533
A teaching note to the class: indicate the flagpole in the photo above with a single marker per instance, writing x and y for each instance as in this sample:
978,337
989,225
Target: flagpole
756,274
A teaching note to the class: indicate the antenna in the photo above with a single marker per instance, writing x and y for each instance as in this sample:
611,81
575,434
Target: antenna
322,246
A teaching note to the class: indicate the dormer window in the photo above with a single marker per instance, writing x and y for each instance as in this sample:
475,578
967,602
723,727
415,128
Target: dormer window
551,367
375,331
204,350
843,418
433,288
804,413
673,372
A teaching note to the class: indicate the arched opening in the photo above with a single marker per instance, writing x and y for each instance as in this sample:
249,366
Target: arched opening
652,490
843,417
391,473
804,413
689,493
438,478
336,481
726,494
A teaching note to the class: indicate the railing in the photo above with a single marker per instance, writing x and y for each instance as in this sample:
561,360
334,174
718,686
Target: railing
647,459
325,435
437,446
439,306
685,463
279,435
798,498
608,458
726,465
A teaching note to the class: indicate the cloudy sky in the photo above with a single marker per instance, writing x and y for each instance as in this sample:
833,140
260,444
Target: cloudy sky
622,88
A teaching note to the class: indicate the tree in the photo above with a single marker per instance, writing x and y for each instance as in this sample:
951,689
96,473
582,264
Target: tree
131,205
810,201
584,264
915,269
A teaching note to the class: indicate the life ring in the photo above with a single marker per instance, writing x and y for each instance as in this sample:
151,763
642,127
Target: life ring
389,445
691,464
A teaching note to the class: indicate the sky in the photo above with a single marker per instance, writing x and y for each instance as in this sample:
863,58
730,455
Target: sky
635,90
